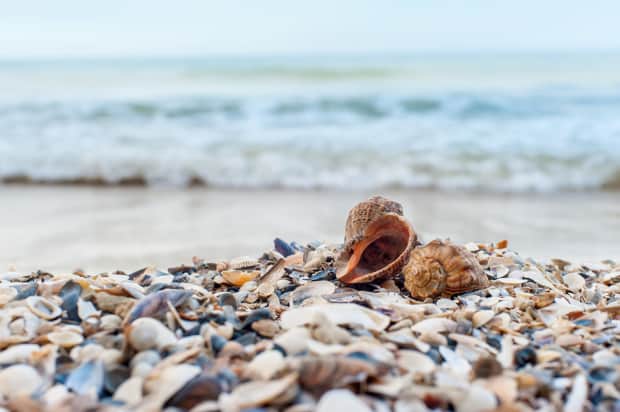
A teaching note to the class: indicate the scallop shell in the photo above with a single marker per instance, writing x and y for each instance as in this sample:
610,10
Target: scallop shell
378,241
242,262
442,269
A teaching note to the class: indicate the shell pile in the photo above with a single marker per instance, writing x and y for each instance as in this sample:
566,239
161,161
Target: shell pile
281,332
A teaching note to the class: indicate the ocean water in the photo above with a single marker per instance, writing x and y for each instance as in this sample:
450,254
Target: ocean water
494,123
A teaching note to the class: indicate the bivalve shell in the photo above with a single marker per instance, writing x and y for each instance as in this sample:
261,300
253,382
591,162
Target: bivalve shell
43,308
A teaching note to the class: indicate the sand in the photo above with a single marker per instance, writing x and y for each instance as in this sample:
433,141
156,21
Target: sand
102,229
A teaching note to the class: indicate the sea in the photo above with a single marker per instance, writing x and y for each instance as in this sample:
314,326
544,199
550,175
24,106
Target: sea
489,122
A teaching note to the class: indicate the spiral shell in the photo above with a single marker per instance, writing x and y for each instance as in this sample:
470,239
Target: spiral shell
442,269
377,241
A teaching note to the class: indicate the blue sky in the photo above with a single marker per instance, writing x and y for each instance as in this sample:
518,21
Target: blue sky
75,28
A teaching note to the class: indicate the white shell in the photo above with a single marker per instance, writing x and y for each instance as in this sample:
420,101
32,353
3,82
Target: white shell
337,313
149,333
435,325
65,338
265,365
19,380
341,400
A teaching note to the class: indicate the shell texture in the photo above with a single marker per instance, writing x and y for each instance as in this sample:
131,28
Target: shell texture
378,240
442,269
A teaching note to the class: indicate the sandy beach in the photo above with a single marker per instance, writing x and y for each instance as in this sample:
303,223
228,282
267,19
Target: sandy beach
103,229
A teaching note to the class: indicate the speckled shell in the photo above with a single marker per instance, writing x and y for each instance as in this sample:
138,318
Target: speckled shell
364,213
377,241
442,269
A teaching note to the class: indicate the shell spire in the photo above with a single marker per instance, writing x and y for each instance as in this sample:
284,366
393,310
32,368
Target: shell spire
442,269
378,240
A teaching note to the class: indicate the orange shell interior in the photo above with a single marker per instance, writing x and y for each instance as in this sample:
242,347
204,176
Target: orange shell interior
382,249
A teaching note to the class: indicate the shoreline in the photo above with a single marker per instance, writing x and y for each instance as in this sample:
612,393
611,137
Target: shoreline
62,228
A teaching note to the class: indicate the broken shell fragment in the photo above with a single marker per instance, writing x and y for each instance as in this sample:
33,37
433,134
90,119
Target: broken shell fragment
377,241
239,277
43,308
65,339
442,269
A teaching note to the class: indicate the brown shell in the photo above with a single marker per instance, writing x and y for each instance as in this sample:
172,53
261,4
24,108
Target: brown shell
442,269
377,241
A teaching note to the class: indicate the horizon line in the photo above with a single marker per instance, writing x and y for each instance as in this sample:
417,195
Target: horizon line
331,54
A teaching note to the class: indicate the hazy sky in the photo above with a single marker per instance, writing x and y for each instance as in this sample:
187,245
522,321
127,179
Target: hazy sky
54,28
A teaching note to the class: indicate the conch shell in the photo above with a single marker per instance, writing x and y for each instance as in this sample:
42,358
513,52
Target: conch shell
378,240
442,269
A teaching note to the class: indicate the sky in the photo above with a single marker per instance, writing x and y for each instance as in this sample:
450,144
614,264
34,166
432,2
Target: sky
118,28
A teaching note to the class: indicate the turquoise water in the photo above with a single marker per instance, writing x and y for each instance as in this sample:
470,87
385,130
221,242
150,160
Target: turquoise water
507,123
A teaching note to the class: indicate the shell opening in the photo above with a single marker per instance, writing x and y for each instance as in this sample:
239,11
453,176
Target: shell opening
386,242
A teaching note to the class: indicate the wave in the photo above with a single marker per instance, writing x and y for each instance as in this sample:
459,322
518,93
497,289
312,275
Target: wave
533,141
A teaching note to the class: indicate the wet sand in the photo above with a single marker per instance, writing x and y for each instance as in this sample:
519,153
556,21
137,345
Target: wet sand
102,229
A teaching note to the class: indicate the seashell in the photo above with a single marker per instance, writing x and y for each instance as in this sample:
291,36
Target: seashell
65,338
19,380
70,294
242,262
43,308
7,294
282,247
442,269
438,325
239,277
318,259
155,304
318,374
162,384
311,289
265,365
482,317
574,281
377,241
149,333
257,393
337,313
294,340
415,362
265,290
17,353
477,398
87,379
576,400
341,400
266,327
86,309
130,391
200,388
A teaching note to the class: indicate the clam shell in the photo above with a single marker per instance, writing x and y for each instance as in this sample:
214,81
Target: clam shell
442,269
43,308
243,262
377,241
